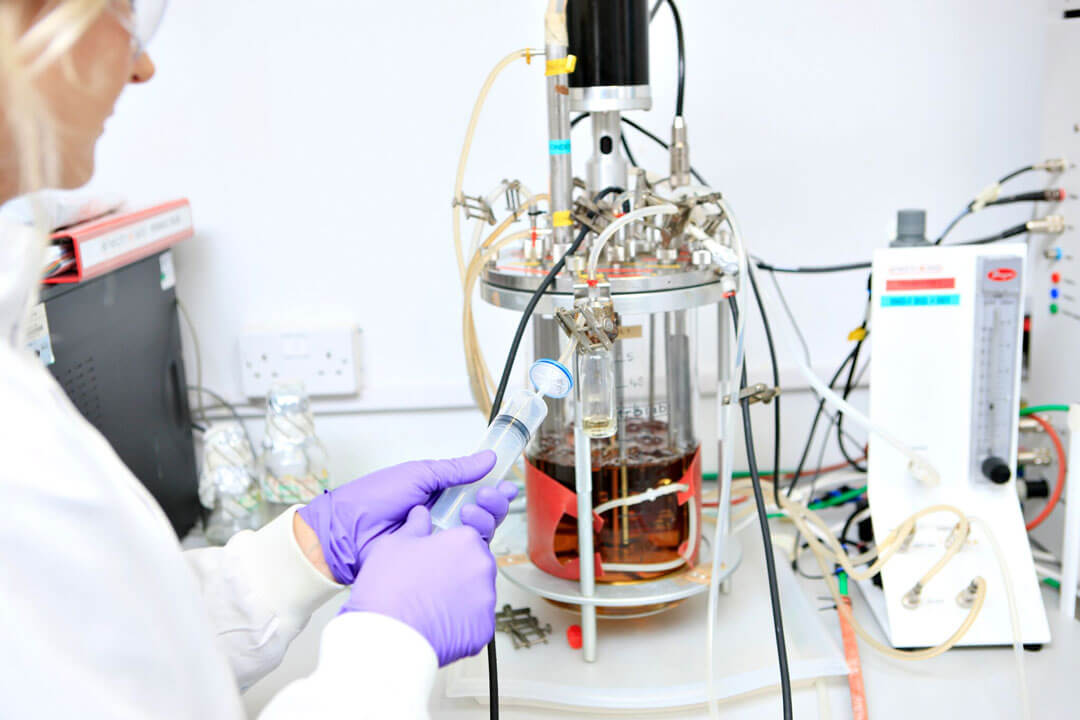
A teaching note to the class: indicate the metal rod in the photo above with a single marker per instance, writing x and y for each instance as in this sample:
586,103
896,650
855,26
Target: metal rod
562,176
620,444
652,365
606,169
583,485
1070,557
724,384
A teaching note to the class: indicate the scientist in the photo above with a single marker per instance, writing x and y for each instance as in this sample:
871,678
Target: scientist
101,613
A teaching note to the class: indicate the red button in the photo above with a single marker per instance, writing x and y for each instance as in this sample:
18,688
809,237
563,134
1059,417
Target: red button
573,636
1056,277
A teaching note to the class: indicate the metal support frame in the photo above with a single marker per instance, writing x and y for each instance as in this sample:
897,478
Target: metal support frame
586,554
1070,552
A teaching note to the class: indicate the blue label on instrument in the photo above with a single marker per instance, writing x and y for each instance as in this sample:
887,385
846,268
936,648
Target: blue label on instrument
559,147
919,300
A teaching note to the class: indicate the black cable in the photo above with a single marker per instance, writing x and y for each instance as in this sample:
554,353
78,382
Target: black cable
682,58
607,191
818,269
662,144
1049,195
1003,235
849,384
970,209
504,379
651,136
626,149
766,538
493,681
859,507
655,9
813,269
1015,173
526,314
813,426
776,384
948,228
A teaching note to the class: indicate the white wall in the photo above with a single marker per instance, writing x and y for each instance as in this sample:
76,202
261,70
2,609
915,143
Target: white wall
317,142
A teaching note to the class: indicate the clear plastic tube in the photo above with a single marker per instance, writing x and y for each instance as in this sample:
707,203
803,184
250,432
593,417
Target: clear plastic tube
507,436
1014,614
616,225
726,431
919,466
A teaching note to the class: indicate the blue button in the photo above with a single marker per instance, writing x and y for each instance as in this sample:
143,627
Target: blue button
1054,293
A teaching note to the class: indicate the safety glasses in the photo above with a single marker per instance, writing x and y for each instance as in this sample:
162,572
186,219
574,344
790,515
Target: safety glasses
141,19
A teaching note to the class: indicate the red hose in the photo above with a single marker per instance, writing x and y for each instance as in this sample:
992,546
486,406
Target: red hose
1059,486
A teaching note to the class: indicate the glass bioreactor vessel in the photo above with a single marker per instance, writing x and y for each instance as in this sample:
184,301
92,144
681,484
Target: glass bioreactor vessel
613,471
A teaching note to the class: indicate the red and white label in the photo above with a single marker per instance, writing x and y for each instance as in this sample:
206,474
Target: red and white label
1002,274
921,284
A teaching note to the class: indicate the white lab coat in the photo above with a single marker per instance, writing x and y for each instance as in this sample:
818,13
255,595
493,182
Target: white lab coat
102,615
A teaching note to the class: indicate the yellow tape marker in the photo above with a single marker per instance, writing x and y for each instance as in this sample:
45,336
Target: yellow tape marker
561,219
561,66
857,334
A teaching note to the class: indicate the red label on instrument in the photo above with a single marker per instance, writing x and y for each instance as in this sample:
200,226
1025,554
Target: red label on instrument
921,284
1002,274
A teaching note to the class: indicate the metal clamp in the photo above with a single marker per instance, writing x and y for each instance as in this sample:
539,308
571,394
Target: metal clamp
966,597
513,195
587,215
476,208
522,626
759,392
1036,456
585,328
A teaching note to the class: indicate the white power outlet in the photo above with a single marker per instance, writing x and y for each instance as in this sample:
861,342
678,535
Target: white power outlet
326,360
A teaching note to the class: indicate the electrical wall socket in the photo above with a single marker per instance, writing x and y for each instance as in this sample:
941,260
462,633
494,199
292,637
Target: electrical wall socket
327,360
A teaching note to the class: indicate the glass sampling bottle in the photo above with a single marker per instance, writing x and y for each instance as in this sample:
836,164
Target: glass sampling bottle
294,463
228,486
596,389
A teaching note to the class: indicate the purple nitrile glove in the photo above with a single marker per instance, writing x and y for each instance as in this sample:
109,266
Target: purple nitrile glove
442,585
348,518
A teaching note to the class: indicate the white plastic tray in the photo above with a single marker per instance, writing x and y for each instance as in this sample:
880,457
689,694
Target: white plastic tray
658,662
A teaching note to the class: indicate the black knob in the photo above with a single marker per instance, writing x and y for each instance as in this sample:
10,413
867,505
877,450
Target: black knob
996,470
1035,488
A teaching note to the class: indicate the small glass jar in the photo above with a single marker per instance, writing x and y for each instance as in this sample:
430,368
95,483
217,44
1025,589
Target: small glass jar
228,485
595,388
293,467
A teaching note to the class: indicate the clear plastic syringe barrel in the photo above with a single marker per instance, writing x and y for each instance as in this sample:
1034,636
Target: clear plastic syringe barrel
507,436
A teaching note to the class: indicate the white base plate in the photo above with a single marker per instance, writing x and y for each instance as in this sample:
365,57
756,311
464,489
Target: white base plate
515,566
658,662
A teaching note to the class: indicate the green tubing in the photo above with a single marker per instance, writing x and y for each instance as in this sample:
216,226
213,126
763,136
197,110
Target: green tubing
839,499
1043,408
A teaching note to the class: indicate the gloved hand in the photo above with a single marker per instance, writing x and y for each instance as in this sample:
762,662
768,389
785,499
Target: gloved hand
442,585
348,518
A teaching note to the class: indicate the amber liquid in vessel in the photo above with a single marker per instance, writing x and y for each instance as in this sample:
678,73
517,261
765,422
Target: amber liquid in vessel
625,465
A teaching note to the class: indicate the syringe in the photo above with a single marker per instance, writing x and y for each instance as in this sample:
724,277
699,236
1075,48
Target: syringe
507,435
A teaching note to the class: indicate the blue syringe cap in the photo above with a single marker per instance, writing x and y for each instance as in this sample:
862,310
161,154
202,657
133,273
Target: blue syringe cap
551,378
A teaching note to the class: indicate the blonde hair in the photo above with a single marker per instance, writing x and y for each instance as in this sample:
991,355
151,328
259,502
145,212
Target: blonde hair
25,52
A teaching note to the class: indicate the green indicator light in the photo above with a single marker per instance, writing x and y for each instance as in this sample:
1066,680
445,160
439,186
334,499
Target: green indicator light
1053,308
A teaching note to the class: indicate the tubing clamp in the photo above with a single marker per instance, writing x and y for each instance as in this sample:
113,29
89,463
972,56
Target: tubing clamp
759,392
